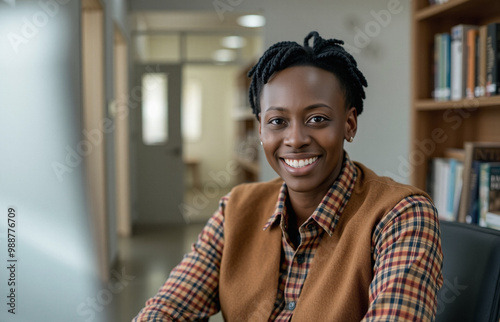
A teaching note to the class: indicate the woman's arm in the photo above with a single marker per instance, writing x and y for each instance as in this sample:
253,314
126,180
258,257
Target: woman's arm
191,291
407,263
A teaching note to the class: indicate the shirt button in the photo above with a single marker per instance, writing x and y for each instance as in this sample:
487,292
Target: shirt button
300,259
291,306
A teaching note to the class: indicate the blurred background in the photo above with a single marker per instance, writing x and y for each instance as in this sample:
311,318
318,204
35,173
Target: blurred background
122,123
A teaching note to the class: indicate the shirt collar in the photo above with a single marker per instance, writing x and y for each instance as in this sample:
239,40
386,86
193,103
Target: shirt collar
331,206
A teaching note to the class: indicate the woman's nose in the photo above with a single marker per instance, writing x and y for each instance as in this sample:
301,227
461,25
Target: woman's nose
297,136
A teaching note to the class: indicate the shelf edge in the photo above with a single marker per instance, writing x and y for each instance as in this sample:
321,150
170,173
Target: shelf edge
436,9
429,104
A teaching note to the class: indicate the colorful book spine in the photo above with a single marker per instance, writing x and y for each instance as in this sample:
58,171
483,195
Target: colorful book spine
437,74
450,198
471,63
459,60
493,59
473,212
442,67
481,65
489,195
474,151
458,188
445,67
445,186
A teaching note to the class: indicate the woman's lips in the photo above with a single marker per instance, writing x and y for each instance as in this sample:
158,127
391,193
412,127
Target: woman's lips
300,166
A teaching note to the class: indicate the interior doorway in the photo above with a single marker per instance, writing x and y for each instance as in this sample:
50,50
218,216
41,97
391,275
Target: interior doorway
209,96
212,55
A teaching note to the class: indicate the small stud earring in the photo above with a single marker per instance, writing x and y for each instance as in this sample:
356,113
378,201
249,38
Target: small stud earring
350,139
261,143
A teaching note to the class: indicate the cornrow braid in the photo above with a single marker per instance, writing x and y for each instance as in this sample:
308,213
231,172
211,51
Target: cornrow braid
327,54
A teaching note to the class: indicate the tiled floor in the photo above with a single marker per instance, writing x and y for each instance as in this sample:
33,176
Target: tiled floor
147,258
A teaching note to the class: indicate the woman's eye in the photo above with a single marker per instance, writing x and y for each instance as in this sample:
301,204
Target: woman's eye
317,119
276,122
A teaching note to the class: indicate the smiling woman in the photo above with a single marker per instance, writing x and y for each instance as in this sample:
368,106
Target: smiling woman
302,121
329,240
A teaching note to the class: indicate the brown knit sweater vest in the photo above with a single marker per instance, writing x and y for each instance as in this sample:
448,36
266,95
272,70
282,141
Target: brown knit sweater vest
337,285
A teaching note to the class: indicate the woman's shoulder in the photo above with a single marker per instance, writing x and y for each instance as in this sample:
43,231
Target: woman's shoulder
256,193
368,179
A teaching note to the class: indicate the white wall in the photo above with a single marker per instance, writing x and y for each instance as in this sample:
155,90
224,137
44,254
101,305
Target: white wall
383,135
383,56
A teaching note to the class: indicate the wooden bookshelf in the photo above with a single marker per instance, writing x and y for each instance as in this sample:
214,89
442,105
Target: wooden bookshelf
439,125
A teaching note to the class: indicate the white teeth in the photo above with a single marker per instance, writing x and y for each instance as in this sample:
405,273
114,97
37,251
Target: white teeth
300,163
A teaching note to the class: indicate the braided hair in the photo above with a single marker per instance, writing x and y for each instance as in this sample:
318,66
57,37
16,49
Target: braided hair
327,54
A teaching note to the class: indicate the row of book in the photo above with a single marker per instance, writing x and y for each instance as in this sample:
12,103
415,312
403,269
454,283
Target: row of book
465,184
467,62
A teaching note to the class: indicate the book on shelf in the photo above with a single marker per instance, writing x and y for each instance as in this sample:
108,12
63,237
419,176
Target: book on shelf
481,62
474,152
472,35
467,62
446,67
445,185
459,59
493,59
489,195
472,215
442,69
437,185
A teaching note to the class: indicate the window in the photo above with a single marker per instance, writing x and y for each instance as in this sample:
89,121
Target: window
154,108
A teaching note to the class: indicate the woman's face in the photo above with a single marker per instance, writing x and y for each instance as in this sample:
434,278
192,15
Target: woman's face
303,123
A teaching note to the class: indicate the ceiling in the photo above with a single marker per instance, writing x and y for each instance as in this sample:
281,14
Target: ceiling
187,21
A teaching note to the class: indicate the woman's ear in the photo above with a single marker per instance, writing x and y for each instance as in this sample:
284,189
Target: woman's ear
351,124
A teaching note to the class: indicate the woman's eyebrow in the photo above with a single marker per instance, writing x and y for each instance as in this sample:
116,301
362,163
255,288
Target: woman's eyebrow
307,108
318,105
275,108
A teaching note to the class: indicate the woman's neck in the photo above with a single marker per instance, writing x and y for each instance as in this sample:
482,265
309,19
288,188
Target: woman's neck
302,205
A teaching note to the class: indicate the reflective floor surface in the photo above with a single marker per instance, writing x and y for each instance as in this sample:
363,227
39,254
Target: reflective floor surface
144,263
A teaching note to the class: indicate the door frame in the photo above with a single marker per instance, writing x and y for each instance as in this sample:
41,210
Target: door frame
93,102
122,134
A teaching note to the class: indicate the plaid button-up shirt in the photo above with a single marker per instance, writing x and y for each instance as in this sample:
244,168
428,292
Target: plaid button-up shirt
190,292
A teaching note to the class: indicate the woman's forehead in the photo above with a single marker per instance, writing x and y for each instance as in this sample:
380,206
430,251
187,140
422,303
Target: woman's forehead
301,85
